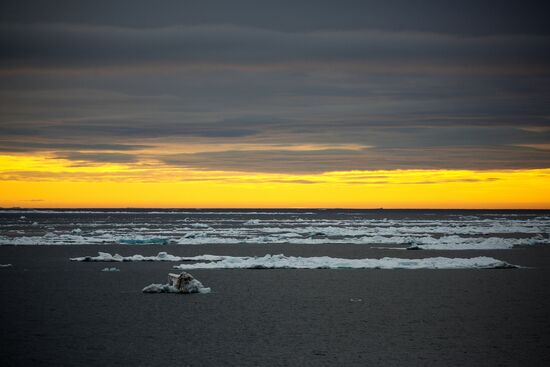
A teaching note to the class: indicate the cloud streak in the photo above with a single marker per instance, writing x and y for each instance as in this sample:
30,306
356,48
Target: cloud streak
76,46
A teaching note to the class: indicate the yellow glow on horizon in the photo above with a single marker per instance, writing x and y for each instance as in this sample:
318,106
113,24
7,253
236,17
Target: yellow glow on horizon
40,181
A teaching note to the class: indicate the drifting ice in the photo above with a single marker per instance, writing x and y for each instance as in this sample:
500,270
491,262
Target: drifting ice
106,257
290,262
110,269
178,283
162,256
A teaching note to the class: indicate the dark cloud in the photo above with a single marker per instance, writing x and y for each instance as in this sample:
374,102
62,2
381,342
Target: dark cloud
435,84
319,161
62,46
26,146
113,129
442,16
99,157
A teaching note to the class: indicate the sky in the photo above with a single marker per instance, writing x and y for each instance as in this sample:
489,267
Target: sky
360,104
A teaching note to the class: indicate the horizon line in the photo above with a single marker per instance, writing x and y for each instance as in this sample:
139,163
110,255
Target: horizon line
258,208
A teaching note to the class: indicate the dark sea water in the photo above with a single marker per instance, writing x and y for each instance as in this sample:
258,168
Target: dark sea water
423,229
445,312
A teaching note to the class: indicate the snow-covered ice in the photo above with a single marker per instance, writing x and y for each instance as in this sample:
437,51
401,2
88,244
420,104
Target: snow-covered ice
162,256
107,257
450,232
178,283
324,262
291,262
473,243
160,288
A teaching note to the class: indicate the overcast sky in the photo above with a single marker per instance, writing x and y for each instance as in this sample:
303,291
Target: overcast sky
278,86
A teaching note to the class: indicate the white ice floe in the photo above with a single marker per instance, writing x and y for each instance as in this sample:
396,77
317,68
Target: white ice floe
5,265
473,243
160,288
110,269
106,257
178,283
162,256
252,222
232,236
324,262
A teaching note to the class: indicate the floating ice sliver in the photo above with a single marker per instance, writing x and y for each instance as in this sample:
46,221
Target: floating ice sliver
110,269
161,256
323,262
106,257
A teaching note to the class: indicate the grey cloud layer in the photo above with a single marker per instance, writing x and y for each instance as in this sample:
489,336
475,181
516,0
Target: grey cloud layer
441,16
85,46
369,159
420,92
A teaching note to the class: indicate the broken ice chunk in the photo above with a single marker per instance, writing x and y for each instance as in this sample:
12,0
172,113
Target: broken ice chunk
178,283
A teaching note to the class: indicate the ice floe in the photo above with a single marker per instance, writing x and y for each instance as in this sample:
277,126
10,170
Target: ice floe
473,243
449,232
252,222
110,269
178,283
161,256
5,265
324,262
107,257
232,236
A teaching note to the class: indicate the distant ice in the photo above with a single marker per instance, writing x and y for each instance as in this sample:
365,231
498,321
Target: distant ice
290,262
5,265
241,227
162,256
106,257
110,269
199,225
473,243
244,212
252,222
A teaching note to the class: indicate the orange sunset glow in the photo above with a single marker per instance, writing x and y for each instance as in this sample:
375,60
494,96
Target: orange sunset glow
239,111
38,181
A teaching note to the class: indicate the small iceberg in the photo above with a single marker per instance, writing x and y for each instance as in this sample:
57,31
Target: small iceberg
5,265
178,283
110,269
